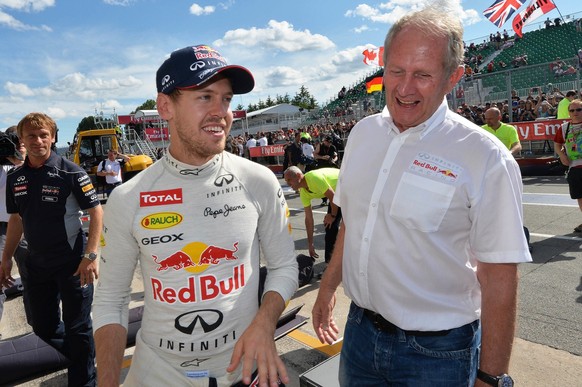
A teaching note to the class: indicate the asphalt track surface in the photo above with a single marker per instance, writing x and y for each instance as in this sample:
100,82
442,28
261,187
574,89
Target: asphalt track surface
548,346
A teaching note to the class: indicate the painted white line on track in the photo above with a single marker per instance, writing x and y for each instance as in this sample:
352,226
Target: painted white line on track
549,236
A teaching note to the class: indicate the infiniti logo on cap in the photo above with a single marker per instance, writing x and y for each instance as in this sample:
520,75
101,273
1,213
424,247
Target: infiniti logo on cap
197,65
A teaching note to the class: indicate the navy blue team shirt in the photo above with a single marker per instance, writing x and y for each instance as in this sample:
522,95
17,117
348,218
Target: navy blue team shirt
49,200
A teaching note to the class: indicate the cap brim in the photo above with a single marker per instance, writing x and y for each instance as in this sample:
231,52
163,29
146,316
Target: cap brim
241,79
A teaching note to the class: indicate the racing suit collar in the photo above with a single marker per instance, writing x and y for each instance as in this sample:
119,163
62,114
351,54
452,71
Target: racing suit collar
184,169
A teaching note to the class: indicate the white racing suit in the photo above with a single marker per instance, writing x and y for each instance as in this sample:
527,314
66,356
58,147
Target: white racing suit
196,233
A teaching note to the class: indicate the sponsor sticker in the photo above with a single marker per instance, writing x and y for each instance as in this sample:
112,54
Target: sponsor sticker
436,167
160,198
161,220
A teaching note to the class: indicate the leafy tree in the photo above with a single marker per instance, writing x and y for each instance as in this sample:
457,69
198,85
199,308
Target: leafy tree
150,104
86,123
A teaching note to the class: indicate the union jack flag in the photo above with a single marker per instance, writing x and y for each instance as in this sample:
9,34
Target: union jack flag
501,10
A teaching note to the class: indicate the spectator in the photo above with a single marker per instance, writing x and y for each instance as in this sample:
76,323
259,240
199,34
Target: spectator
564,103
506,133
294,151
262,139
544,109
490,67
568,146
479,117
466,112
326,154
58,271
251,143
111,168
548,23
528,113
307,150
214,274
413,247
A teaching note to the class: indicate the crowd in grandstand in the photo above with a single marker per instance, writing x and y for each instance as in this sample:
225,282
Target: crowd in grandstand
538,104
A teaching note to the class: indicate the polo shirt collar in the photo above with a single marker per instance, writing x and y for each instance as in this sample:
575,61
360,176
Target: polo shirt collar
424,128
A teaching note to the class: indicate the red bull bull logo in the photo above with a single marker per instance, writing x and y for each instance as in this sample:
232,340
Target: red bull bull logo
213,254
176,261
195,257
448,173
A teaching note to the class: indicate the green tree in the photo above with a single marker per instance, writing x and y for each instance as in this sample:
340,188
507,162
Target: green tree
304,99
283,99
86,123
150,104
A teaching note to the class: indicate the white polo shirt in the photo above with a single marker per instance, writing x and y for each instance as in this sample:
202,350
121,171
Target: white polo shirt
420,209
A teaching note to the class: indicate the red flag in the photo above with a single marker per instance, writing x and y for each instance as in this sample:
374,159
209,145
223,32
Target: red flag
501,10
374,56
534,10
375,84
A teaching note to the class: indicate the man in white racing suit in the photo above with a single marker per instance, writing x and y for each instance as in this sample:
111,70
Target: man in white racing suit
195,222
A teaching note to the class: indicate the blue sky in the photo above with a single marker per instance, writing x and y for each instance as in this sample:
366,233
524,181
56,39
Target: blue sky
67,58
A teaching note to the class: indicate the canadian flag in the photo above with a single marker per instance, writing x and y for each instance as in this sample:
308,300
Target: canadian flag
374,56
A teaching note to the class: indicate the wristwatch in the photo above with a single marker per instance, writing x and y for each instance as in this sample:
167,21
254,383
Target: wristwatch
90,256
497,381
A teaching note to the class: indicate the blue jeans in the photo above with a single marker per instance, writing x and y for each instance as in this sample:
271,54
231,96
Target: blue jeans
371,357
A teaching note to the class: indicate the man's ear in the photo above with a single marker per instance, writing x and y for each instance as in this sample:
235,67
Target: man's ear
456,76
165,106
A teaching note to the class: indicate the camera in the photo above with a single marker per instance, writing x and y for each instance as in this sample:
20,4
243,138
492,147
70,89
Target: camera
8,148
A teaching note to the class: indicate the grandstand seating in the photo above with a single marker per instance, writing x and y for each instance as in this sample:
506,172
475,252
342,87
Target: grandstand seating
542,47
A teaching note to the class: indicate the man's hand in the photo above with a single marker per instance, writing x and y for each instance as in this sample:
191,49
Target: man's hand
328,220
88,271
6,278
257,344
323,322
312,252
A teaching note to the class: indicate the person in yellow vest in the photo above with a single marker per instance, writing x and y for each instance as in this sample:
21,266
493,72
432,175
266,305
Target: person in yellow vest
563,113
504,132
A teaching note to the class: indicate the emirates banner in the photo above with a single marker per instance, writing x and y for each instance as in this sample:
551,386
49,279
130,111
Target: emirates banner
155,134
269,150
537,130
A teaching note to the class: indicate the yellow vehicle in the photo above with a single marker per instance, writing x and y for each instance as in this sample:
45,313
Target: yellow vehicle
90,147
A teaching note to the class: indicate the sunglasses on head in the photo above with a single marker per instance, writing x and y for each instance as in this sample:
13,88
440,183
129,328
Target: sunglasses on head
577,110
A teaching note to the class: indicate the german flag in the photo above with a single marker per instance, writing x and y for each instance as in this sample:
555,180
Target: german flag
374,84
